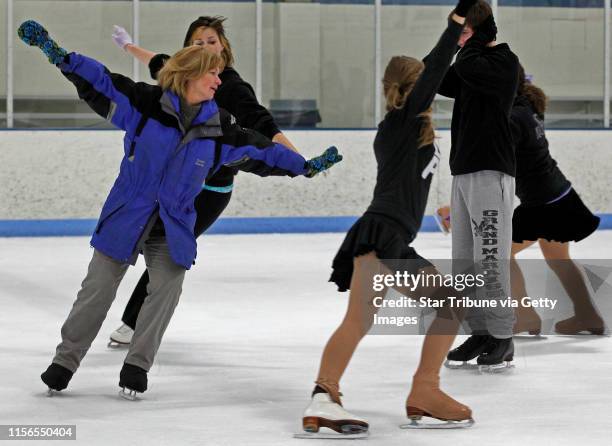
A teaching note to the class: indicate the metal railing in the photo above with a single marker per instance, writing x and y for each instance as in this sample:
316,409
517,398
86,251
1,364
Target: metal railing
10,115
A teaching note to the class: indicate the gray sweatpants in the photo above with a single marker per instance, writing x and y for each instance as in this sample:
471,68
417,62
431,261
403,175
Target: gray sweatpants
98,292
481,215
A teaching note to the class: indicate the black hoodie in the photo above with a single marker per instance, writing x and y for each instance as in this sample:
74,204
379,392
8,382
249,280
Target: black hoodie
483,81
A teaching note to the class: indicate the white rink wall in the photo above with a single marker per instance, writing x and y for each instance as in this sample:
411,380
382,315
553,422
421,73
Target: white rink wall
67,174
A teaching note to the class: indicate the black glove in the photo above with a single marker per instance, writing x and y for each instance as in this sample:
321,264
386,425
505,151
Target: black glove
487,30
463,7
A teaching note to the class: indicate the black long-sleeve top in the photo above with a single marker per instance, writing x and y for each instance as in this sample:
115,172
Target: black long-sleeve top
538,179
237,97
483,81
404,169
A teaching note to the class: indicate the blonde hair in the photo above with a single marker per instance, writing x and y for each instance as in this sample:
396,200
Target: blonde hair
400,76
187,64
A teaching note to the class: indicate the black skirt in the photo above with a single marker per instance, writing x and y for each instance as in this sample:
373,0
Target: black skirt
378,234
562,221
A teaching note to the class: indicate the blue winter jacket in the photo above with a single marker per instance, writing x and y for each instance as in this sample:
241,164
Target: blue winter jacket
164,165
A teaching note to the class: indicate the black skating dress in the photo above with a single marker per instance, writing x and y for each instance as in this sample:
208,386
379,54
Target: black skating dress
550,207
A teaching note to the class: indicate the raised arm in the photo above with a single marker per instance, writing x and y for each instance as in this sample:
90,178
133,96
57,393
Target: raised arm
438,62
124,41
113,96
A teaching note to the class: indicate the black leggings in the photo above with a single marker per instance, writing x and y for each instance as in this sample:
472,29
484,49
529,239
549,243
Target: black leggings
208,205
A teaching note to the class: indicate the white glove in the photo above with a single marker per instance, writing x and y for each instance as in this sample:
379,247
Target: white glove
121,37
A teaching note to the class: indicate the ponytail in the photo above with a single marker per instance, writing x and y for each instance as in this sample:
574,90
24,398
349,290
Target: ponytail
400,76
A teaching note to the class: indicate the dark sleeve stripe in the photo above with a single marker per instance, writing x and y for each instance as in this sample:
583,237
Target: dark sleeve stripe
96,100
96,80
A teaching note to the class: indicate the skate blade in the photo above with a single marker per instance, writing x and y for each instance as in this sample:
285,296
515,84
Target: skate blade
532,337
504,367
434,423
128,394
460,365
331,436
116,345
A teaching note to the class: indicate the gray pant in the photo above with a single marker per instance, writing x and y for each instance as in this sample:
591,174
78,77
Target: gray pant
98,292
481,213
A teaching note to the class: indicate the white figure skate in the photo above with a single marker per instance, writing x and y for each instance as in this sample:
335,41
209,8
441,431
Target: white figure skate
121,337
324,413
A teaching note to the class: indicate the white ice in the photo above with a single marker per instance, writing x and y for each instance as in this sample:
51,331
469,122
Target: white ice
238,361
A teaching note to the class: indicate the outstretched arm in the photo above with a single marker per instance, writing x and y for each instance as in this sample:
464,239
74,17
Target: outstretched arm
140,53
282,139
124,41
252,152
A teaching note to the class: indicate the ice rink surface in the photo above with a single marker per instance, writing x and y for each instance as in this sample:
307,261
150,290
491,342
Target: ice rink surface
238,361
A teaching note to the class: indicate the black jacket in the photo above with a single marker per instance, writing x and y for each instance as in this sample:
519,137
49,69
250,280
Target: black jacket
538,179
237,97
483,81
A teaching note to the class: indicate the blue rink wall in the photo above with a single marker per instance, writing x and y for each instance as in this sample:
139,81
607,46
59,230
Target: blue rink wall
54,182
260,225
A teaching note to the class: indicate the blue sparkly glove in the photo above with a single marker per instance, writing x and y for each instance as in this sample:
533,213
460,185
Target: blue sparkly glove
322,162
34,34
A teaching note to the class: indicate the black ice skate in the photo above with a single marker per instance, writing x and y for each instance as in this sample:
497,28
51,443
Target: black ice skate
497,357
474,346
132,380
56,378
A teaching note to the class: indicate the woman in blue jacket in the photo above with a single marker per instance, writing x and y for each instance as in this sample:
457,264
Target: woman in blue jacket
234,95
175,138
